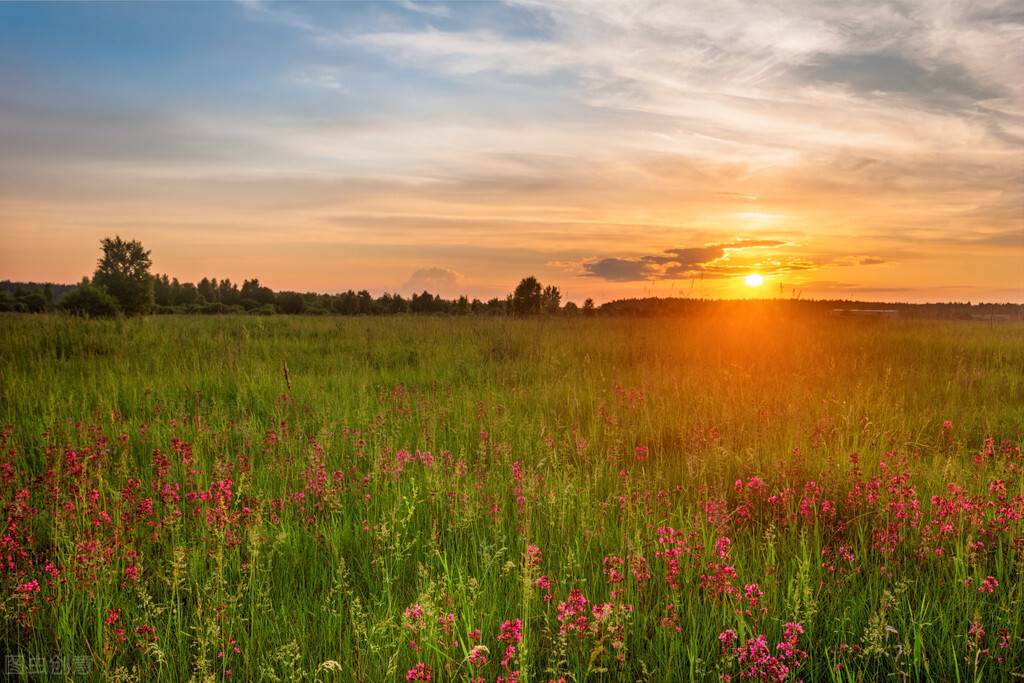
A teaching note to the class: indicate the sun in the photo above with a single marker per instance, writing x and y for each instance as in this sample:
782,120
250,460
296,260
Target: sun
754,280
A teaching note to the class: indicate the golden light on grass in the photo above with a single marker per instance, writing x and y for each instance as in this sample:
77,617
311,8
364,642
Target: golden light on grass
754,280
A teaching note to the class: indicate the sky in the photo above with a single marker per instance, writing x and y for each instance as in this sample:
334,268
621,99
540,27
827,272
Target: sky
863,150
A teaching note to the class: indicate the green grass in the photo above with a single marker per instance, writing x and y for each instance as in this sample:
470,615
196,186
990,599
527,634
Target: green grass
312,580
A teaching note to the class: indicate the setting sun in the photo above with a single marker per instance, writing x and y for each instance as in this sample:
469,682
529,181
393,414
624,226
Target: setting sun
754,280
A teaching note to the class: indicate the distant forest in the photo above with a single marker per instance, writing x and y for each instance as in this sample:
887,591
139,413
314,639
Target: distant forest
122,284
211,296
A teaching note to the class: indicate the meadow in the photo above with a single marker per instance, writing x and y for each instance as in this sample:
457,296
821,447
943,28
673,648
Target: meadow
757,495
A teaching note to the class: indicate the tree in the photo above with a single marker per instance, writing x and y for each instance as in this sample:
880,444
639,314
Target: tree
496,306
123,272
162,290
29,300
208,290
89,300
188,295
175,292
227,292
290,302
588,306
252,289
364,302
7,302
422,303
550,299
526,298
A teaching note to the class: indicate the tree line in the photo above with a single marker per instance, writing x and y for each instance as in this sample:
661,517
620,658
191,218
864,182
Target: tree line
123,285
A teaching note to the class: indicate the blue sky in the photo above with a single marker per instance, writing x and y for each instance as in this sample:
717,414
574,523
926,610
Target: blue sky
854,149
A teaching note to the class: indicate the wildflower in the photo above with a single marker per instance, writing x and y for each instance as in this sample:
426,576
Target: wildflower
601,611
727,637
572,613
756,658
719,581
511,632
613,569
988,585
671,619
445,621
148,632
420,672
544,583
639,569
478,656
112,616
413,615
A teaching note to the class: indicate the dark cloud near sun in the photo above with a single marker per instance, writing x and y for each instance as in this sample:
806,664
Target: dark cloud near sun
687,262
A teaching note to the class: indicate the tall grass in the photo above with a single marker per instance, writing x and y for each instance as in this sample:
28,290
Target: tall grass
697,482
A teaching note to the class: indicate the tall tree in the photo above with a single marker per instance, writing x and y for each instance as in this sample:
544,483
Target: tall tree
162,290
123,271
551,299
208,290
227,292
526,298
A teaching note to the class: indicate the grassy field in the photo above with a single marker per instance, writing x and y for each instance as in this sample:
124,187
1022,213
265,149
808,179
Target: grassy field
758,496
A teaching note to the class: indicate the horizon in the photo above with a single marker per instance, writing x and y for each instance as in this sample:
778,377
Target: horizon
861,153
796,297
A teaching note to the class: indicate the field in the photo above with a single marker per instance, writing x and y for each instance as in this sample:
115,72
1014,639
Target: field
755,495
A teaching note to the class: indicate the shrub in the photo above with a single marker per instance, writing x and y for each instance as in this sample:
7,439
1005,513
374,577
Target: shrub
89,300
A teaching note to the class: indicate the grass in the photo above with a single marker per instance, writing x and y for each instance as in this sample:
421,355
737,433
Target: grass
205,505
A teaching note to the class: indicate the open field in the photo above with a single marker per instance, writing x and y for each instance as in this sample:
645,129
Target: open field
762,496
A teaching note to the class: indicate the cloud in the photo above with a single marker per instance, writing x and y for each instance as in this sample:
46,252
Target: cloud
620,270
432,9
320,77
871,261
711,261
883,73
435,280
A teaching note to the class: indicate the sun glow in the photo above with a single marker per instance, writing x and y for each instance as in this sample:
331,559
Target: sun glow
754,280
